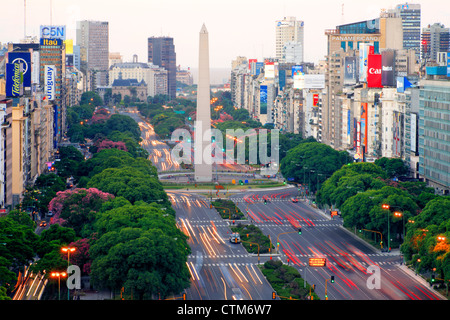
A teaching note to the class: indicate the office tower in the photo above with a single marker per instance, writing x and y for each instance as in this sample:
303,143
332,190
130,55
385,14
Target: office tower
161,52
93,39
434,133
411,17
435,38
289,42
202,159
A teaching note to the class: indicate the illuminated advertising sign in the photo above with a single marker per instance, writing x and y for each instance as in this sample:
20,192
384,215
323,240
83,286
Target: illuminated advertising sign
317,262
414,132
50,42
374,71
387,68
259,66
35,69
25,59
358,140
263,99
53,32
49,81
14,87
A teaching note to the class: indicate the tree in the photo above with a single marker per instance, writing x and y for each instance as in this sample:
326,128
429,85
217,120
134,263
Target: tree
77,208
394,167
348,181
146,262
312,162
132,184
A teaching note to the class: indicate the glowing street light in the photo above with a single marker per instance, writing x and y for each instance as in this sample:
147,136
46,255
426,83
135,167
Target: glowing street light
59,275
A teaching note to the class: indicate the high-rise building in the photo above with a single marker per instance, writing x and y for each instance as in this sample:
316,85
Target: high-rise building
161,52
93,39
289,42
434,133
411,17
435,38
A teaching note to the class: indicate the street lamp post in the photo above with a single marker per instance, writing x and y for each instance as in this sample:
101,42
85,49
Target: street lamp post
58,275
68,250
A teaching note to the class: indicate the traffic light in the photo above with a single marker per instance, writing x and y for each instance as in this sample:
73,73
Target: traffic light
274,295
299,230
332,279
433,278
265,201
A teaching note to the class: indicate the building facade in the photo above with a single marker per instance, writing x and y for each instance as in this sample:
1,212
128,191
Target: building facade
161,52
93,39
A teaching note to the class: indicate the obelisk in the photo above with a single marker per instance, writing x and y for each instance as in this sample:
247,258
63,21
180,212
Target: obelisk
202,136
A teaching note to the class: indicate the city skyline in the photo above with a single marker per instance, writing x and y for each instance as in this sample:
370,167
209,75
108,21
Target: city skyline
241,29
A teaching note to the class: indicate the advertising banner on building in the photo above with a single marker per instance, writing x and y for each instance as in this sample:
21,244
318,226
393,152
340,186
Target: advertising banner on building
363,54
263,99
14,86
387,68
402,84
414,132
298,76
448,66
25,59
364,124
49,81
35,68
54,32
349,123
251,62
374,71
269,70
313,81
315,99
259,67
350,72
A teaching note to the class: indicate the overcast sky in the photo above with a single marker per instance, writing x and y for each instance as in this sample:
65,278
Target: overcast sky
236,27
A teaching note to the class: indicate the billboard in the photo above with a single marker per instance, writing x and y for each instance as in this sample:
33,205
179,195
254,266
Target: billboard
269,70
259,66
298,76
14,86
251,62
313,81
350,71
54,32
448,66
387,68
49,81
50,42
25,59
263,99
364,124
35,68
374,71
315,99
363,51
414,132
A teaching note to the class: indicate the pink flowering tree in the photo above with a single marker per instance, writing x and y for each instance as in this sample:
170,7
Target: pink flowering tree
81,256
76,208
108,144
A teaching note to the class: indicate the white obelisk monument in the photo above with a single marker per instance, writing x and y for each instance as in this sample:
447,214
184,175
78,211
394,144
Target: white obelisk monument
202,152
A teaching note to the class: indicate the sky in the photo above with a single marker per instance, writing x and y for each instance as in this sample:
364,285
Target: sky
236,27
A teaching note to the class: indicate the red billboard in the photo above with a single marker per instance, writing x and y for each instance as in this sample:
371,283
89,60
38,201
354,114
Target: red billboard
374,71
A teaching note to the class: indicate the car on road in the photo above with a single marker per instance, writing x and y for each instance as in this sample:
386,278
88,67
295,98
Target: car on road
235,237
295,200
43,224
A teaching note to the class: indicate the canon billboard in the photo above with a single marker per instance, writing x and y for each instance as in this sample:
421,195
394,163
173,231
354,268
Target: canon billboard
374,71
387,68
